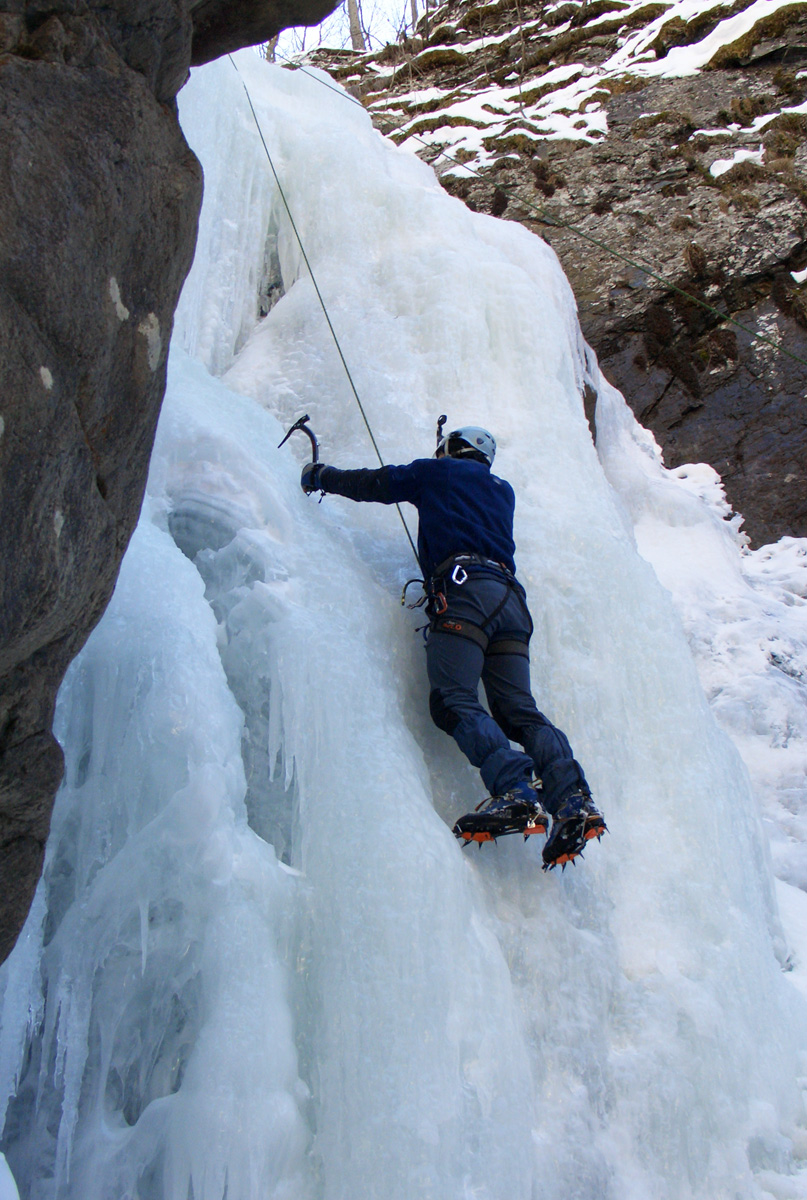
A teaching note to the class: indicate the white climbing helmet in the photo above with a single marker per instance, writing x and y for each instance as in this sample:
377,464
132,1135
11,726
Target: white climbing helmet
467,440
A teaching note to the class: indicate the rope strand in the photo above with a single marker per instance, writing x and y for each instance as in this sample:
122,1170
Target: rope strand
319,297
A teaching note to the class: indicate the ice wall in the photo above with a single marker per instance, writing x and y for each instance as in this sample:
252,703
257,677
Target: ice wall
259,964
744,613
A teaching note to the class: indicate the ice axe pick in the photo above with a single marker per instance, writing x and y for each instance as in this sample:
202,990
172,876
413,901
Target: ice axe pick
303,426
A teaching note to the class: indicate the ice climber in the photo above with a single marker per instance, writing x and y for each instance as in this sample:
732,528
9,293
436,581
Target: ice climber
480,628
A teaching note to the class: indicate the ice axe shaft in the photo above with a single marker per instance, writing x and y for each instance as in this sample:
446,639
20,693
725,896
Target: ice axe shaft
302,425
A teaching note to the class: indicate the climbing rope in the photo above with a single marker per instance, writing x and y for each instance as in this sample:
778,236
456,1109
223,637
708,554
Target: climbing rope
319,295
546,218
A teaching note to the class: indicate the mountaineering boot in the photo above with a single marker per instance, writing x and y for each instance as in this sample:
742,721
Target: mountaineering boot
575,823
517,811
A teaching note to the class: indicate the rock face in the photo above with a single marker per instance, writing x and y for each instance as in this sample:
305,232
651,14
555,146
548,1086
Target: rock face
221,26
658,142
708,390
98,216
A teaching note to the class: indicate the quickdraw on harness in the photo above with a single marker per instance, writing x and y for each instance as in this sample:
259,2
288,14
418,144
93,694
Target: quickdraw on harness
434,596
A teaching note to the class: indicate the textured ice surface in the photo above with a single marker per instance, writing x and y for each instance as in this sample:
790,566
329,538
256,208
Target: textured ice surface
744,612
259,965
159,897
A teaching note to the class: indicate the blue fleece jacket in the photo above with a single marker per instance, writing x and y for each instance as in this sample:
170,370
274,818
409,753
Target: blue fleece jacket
463,508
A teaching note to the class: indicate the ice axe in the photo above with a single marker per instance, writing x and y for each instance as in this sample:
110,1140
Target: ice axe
302,425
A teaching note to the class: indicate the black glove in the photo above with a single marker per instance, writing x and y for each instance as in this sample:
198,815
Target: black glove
309,480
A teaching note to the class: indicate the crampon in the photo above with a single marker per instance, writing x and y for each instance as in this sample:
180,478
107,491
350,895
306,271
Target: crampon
576,823
497,816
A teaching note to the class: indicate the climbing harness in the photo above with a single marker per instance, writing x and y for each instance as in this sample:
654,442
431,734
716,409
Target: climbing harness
321,301
546,218
454,570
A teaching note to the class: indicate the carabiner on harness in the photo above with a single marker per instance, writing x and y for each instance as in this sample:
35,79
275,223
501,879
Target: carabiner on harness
406,586
439,604
459,575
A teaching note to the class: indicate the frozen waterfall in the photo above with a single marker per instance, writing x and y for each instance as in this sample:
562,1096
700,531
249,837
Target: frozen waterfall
259,966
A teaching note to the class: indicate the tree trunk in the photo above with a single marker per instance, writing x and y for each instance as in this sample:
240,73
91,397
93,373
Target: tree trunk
356,37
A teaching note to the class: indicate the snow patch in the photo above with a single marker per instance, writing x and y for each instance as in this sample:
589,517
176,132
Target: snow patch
722,165
574,113
149,328
121,311
47,378
681,61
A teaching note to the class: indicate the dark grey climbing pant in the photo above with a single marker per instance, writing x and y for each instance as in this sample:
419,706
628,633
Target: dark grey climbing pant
456,663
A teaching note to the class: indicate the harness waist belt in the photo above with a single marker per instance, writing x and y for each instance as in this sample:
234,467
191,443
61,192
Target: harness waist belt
471,560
